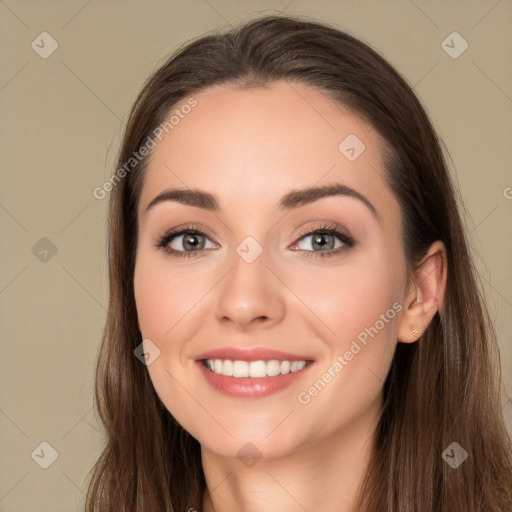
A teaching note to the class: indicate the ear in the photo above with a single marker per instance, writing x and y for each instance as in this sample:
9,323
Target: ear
425,295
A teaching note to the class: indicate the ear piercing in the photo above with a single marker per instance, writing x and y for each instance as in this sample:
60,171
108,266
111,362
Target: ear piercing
415,332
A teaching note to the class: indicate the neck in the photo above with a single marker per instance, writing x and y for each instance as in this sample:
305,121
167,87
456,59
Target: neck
323,476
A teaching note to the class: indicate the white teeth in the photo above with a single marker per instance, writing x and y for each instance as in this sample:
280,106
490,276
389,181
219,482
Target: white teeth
227,368
273,368
240,368
257,369
254,369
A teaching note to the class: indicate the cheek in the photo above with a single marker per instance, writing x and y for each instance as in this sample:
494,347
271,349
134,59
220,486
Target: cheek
357,317
165,302
352,298
165,299
361,309
362,304
156,301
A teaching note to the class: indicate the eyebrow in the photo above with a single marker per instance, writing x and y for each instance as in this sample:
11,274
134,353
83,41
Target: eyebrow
291,200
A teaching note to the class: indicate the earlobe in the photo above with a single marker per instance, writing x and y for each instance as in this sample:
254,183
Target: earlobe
426,296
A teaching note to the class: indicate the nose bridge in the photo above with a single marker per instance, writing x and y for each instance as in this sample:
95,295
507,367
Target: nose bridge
248,292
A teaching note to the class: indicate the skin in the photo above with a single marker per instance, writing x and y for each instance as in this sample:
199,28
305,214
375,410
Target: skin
249,148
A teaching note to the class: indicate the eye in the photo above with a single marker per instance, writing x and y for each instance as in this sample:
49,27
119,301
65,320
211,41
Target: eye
191,242
187,242
324,238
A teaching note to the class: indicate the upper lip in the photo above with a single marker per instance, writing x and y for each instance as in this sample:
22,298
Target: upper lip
251,354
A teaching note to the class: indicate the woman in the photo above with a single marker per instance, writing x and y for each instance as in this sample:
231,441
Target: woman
294,318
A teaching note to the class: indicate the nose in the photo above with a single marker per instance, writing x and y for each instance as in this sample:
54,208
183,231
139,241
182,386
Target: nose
251,295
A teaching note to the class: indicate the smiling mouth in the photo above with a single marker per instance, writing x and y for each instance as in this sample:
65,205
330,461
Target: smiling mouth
254,369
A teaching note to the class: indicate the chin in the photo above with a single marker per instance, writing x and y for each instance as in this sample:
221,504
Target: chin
250,449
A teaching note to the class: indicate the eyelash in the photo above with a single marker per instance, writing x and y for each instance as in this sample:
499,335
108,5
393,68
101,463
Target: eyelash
347,240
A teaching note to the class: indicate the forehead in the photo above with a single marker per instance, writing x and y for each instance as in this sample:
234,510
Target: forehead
251,146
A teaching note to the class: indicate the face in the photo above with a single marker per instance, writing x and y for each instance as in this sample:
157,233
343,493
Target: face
258,274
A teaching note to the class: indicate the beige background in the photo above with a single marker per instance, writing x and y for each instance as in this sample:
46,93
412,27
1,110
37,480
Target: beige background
61,121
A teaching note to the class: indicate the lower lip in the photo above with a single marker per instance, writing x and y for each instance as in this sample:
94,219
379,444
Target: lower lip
247,387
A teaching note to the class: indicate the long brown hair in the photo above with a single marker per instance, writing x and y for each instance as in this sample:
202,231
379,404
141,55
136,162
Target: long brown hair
443,389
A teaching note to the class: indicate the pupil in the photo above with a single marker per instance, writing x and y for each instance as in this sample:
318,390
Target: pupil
187,241
318,243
